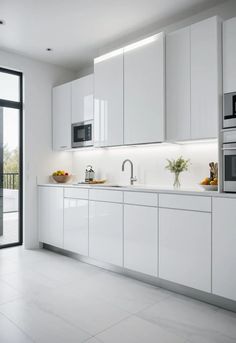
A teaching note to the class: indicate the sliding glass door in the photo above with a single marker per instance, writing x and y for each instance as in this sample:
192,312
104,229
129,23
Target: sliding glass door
11,195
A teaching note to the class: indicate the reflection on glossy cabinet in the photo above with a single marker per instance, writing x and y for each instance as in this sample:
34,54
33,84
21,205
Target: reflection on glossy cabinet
82,99
140,239
108,103
178,85
229,55
185,248
61,98
224,248
50,215
205,78
76,225
106,232
144,92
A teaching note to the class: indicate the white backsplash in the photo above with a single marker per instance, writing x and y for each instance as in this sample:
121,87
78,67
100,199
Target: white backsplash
149,163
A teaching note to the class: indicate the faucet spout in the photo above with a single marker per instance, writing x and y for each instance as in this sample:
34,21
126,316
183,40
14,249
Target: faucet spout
132,178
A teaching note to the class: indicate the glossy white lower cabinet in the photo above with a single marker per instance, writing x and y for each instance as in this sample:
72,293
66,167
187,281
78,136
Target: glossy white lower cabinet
50,215
140,239
106,232
185,248
76,225
224,247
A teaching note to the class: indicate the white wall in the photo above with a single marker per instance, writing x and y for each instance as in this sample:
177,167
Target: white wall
149,163
39,159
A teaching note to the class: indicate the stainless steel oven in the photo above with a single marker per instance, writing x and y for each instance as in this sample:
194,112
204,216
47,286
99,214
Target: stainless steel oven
229,167
82,134
229,119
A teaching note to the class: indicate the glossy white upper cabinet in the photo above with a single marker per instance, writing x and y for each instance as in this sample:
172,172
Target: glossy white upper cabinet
140,239
229,55
194,81
106,232
144,91
61,104
223,247
185,248
108,103
50,215
178,102
206,78
76,225
82,99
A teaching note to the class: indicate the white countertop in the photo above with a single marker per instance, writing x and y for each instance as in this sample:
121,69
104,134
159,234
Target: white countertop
145,188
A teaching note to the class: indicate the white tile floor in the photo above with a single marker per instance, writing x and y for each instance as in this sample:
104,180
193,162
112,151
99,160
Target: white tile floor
49,298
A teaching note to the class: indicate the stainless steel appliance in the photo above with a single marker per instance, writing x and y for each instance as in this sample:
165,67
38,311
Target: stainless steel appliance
82,134
229,119
229,161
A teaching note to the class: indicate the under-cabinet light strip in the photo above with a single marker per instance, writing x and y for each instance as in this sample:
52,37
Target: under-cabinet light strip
127,48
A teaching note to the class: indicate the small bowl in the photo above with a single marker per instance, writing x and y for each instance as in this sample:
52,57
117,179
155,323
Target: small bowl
210,187
62,178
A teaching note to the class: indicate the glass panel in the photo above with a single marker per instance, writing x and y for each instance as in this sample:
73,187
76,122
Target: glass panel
230,168
9,164
9,87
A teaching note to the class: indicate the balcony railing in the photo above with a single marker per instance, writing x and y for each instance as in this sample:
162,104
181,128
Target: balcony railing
10,180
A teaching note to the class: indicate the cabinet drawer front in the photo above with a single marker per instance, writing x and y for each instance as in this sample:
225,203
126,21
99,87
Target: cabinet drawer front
105,195
76,193
185,202
140,198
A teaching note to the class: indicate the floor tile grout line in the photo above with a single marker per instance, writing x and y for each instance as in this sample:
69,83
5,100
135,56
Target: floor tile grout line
18,327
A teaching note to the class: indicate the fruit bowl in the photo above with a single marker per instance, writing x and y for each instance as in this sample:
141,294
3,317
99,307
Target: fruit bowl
209,187
62,178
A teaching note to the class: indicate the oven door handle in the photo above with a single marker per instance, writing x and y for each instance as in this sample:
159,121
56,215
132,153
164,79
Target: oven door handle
229,148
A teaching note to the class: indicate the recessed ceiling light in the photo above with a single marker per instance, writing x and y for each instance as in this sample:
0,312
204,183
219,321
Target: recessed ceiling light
49,49
2,22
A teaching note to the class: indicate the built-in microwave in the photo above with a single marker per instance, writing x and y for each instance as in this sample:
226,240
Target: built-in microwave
82,134
229,119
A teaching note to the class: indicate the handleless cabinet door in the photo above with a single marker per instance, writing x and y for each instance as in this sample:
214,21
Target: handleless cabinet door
76,225
144,92
140,239
82,99
50,215
178,85
61,102
106,232
224,248
205,78
185,248
229,55
108,111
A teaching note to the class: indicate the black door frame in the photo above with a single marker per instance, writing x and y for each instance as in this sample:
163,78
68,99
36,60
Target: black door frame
17,105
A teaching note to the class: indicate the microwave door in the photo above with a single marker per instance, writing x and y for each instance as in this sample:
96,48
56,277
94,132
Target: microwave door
230,170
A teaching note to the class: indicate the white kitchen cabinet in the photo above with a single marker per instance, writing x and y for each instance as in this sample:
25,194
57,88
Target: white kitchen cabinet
61,98
108,104
224,248
106,232
205,78
193,81
229,55
140,239
76,225
178,102
144,92
82,99
50,215
185,248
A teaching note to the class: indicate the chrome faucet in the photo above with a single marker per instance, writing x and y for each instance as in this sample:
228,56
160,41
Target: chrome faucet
132,178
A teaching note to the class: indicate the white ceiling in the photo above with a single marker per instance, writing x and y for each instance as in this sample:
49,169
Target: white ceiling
76,29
